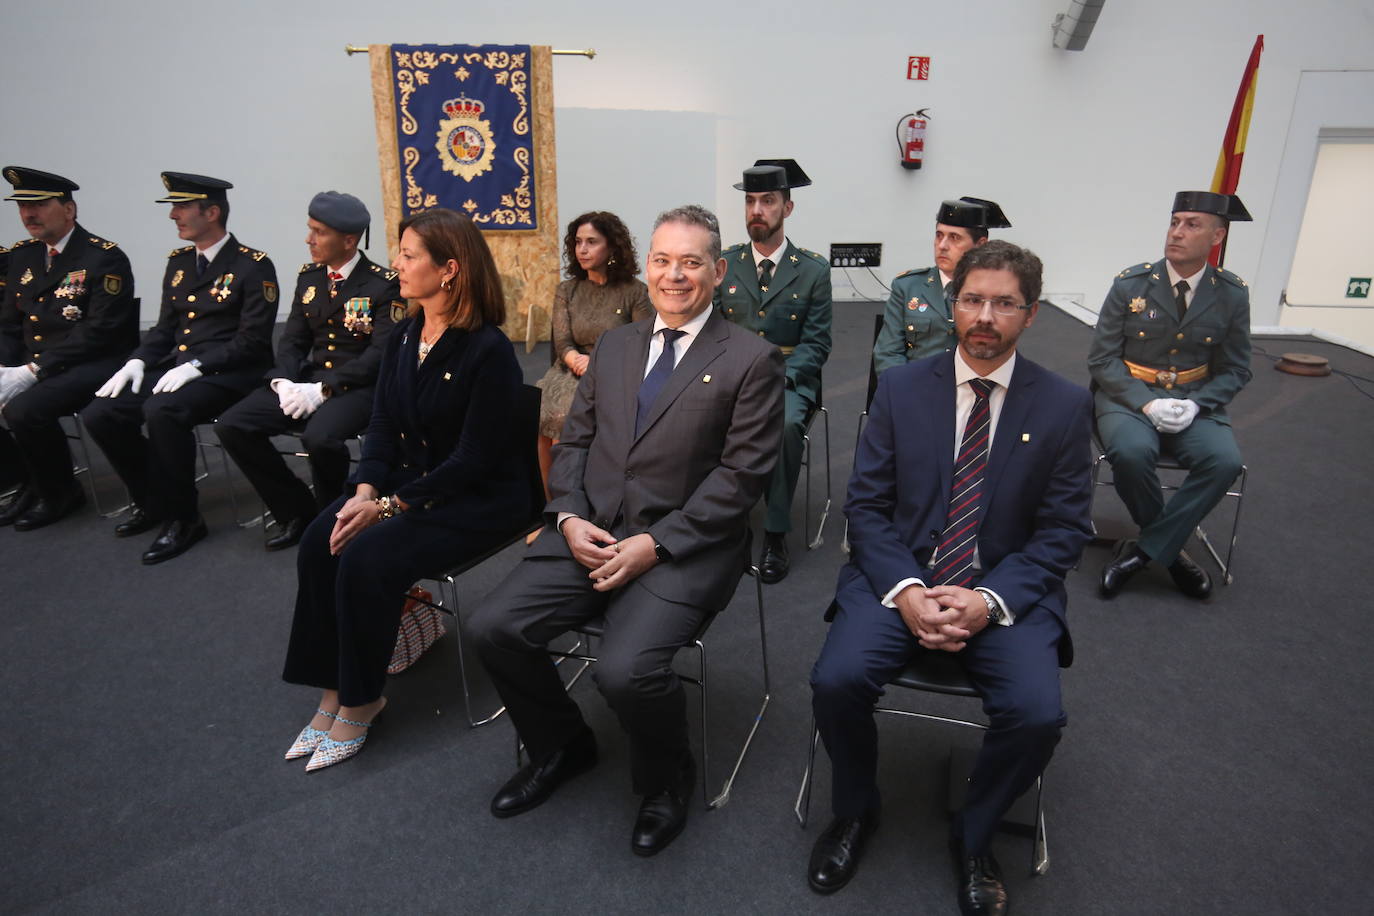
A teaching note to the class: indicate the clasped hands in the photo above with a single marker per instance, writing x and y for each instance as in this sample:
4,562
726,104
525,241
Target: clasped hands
1171,415
15,380
298,399
612,563
945,617
359,513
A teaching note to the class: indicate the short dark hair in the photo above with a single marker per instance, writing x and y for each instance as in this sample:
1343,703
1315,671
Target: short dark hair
977,233
1001,255
223,205
476,298
694,215
623,263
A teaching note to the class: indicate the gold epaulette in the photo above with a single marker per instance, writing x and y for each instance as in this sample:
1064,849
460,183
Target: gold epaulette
177,251
103,243
387,274
253,253
309,265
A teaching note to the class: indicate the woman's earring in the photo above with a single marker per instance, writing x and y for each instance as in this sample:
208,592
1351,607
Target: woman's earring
611,262
446,284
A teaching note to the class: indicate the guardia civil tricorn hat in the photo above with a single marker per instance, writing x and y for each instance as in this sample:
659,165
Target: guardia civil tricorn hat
1224,205
972,213
773,175
32,185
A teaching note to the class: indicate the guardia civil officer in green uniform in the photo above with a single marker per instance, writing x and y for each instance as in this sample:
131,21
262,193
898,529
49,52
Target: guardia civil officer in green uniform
1171,349
782,293
68,319
918,321
327,361
210,346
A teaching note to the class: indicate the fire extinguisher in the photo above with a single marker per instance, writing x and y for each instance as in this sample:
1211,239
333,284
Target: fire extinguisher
911,138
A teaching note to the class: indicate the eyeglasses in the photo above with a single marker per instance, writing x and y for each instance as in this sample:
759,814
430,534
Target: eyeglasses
1001,306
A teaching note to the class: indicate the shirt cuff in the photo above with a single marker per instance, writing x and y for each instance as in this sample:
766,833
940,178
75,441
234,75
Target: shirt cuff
889,600
563,517
1007,618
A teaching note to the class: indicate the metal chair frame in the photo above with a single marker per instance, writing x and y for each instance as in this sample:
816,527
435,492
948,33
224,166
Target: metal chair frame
952,682
83,467
1168,463
592,631
806,462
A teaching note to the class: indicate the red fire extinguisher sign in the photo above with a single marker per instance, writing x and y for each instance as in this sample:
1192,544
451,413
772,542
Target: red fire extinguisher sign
918,68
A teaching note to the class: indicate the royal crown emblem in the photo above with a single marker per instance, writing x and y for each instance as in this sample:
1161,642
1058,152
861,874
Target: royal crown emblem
465,142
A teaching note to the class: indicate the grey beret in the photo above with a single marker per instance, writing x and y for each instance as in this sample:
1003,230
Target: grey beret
340,211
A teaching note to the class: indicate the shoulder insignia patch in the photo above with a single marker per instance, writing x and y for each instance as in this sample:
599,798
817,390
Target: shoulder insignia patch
176,251
269,290
113,284
398,311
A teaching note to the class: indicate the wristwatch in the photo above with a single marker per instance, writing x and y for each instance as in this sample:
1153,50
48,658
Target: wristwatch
995,613
661,552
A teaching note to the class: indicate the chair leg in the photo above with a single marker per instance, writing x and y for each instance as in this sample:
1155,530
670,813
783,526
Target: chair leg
86,469
724,795
803,806
449,588
1040,851
825,512
858,437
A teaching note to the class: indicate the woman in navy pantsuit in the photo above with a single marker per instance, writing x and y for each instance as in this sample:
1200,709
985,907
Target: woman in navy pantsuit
436,482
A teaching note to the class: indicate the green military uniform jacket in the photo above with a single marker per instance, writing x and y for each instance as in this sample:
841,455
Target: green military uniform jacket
794,313
1139,322
917,321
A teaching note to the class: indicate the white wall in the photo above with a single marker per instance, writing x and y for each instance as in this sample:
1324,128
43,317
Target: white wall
1083,149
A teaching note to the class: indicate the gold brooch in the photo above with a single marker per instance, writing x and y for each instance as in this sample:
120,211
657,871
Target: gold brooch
1137,304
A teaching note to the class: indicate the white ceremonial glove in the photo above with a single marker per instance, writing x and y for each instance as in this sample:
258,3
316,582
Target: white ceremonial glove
1188,414
131,375
174,378
14,380
1172,415
283,388
309,397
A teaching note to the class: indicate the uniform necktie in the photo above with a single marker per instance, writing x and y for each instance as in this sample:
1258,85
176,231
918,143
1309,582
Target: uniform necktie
1181,288
958,543
765,273
658,376
52,256
202,264
335,278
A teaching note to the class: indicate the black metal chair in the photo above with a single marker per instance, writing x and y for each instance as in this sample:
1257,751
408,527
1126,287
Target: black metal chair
931,671
588,633
526,433
1170,466
863,414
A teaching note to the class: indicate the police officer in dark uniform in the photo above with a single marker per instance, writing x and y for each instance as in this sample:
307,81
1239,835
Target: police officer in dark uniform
782,293
69,318
1171,349
327,362
210,346
918,321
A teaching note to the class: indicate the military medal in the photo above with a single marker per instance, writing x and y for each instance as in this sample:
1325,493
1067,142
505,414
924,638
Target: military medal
1137,305
176,277
220,290
73,285
358,315
308,296
71,312
732,289
922,307
911,303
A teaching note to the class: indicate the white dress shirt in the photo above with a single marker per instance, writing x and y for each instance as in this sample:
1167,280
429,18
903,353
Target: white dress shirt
1193,281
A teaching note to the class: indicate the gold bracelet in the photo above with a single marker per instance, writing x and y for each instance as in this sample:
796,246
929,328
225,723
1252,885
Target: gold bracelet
386,507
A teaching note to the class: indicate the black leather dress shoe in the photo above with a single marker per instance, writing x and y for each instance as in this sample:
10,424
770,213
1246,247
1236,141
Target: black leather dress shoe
45,512
532,785
19,504
288,536
1190,578
138,522
1126,562
176,538
835,857
663,815
981,891
773,563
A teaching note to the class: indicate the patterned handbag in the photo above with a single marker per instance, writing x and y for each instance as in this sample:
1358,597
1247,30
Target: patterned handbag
421,627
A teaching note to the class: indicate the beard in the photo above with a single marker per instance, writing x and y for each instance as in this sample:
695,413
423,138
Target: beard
984,347
761,231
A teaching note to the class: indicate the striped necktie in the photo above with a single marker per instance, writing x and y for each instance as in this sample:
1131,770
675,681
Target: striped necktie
958,544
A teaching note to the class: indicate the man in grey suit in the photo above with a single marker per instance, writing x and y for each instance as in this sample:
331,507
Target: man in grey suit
666,448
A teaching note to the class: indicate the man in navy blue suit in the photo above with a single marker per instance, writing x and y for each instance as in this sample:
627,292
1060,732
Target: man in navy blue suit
968,504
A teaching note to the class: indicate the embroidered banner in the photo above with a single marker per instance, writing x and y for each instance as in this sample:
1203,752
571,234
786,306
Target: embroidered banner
470,128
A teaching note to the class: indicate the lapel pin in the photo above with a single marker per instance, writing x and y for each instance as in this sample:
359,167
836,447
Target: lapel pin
448,376
1025,437
706,379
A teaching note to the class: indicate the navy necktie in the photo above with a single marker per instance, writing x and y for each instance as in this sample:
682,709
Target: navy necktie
954,558
1181,297
658,377
765,274
202,264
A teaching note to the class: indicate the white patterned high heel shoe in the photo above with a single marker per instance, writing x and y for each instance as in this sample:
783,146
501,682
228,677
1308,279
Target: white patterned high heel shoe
330,752
308,739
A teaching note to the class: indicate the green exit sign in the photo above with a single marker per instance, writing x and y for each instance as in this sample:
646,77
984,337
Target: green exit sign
1358,287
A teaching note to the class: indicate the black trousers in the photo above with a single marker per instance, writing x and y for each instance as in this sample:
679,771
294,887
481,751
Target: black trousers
547,596
348,606
35,447
160,470
246,430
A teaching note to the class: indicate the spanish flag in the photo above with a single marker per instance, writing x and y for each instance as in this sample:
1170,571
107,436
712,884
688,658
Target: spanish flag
1232,154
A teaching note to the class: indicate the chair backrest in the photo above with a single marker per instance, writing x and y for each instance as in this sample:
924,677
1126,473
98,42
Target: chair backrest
872,368
526,444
